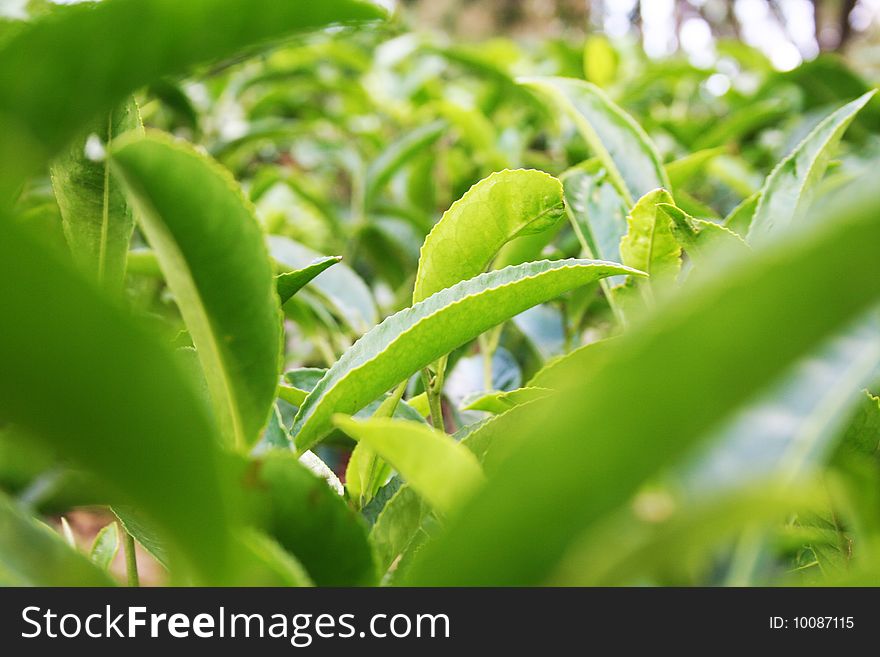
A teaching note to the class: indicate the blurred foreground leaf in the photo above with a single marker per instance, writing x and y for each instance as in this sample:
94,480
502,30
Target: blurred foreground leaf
125,412
587,449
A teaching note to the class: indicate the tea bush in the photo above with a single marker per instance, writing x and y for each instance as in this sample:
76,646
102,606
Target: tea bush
308,298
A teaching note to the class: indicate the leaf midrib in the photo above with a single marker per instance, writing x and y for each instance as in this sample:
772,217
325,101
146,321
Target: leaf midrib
652,235
105,209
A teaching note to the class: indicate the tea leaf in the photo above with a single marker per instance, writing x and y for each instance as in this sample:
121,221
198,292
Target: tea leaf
140,426
598,215
97,220
105,547
437,467
682,395
31,554
501,401
111,49
650,244
791,185
682,170
742,122
310,520
506,205
340,286
619,142
740,218
211,250
396,155
291,282
699,237
417,336
791,428
398,522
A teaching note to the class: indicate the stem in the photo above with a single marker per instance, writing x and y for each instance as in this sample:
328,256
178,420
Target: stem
488,346
487,370
486,352
569,325
387,407
433,388
131,567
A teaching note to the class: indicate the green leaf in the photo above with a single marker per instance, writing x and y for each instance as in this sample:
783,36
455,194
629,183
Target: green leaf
699,237
291,282
365,471
143,531
475,129
742,123
364,474
310,520
340,286
682,170
272,564
372,510
437,467
31,554
491,67
791,185
506,205
650,244
500,401
292,395
740,218
493,440
681,395
397,524
669,551
790,428
97,220
862,435
560,372
112,49
633,164
211,250
397,154
138,424
420,405
275,436
105,547
598,216
304,378
417,336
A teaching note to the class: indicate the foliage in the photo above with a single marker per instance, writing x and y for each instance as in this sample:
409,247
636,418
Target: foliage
312,299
